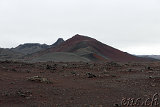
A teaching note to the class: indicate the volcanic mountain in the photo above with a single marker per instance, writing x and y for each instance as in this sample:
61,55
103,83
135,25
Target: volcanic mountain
82,48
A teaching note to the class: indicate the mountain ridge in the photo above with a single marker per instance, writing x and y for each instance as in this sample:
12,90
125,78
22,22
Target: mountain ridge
25,49
29,48
77,48
94,50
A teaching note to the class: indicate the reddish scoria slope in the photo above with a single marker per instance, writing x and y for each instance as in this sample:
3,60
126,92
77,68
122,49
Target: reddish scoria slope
102,51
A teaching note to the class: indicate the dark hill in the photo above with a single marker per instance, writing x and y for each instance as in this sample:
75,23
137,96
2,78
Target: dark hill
8,54
22,50
29,48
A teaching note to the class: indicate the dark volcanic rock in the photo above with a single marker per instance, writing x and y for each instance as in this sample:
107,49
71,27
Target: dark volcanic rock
30,48
58,42
90,75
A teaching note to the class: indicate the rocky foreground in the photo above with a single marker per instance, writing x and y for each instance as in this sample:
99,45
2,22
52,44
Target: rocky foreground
103,84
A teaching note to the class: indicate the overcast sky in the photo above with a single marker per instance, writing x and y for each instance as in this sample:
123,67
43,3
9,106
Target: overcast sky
130,25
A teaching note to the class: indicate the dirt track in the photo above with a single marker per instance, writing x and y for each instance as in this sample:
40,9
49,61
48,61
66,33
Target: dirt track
77,84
